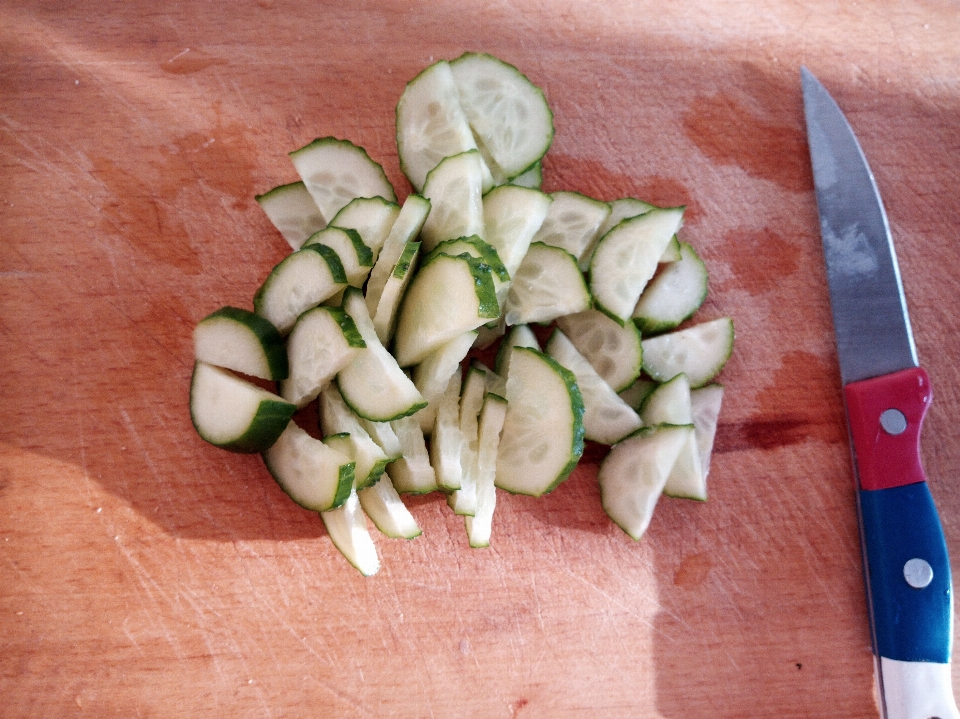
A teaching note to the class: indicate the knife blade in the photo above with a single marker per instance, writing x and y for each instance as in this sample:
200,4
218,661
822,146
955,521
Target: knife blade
886,394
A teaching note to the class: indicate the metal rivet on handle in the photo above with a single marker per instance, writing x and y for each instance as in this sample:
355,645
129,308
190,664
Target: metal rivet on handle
918,573
893,421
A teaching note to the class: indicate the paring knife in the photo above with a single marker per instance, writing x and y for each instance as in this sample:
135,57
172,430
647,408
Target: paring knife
886,392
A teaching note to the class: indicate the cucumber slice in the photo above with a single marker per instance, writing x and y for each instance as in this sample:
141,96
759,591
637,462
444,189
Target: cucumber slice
492,416
300,281
447,297
606,417
355,256
686,480
371,217
613,349
409,222
548,285
542,437
385,318
293,212
431,125
412,472
626,257
669,403
322,342
242,341
573,223
347,527
337,171
512,216
337,419
508,114
446,440
705,404
455,190
315,476
464,500
520,336
532,178
383,505
384,435
234,414
632,476
370,460
673,295
433,375
635,394
699,351
373,385
475,247
624,209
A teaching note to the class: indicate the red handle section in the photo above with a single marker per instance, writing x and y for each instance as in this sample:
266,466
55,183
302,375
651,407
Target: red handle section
886,460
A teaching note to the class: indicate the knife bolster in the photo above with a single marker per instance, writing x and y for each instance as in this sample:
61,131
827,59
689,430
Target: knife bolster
886,460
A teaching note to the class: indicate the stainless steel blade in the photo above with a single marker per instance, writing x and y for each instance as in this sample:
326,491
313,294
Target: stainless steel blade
866,295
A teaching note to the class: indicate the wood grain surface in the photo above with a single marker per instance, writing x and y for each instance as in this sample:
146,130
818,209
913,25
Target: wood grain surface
144,573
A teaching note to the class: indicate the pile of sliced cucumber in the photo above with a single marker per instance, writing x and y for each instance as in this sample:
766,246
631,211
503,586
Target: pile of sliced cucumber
378,317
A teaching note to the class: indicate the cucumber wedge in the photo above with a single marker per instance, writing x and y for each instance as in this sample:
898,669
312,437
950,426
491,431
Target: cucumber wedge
338,420
373,385
385,317
699,351
475,247
542,438
623,209
492,416
448,297
705,403
337,171
433,375
347,527
431,125
234,414
300,281
637,393
455,190
371,217
573,223
508,114
673,295
315,476
669,403
370,460
406,228
626,257
355,256
532,178
293,212
242,341
606,417
383,505
632,476
446,440
322,342
613,349
548,285
412,473
464,500
520,336
512,216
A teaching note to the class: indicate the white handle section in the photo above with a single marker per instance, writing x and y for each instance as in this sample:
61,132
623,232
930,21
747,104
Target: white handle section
917,690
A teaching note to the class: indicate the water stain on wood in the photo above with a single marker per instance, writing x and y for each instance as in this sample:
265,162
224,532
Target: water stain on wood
801,404
693,570
142,199
728,132
762,260
190,61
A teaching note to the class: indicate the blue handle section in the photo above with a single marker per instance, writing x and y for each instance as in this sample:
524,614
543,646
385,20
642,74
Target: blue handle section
909,624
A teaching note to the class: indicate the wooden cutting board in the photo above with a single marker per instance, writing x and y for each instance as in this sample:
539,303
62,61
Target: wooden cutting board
148,574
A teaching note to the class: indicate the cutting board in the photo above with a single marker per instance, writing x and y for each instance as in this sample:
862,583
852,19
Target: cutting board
146,573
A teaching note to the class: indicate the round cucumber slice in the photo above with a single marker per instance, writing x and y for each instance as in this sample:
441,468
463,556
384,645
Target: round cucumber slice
542,438
700,352
337,171
315,476
632,476
455,190
613,349
323,341
673,295
547,285
234,414
507,113
300,281
242,341
293,212
431,124
626,258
